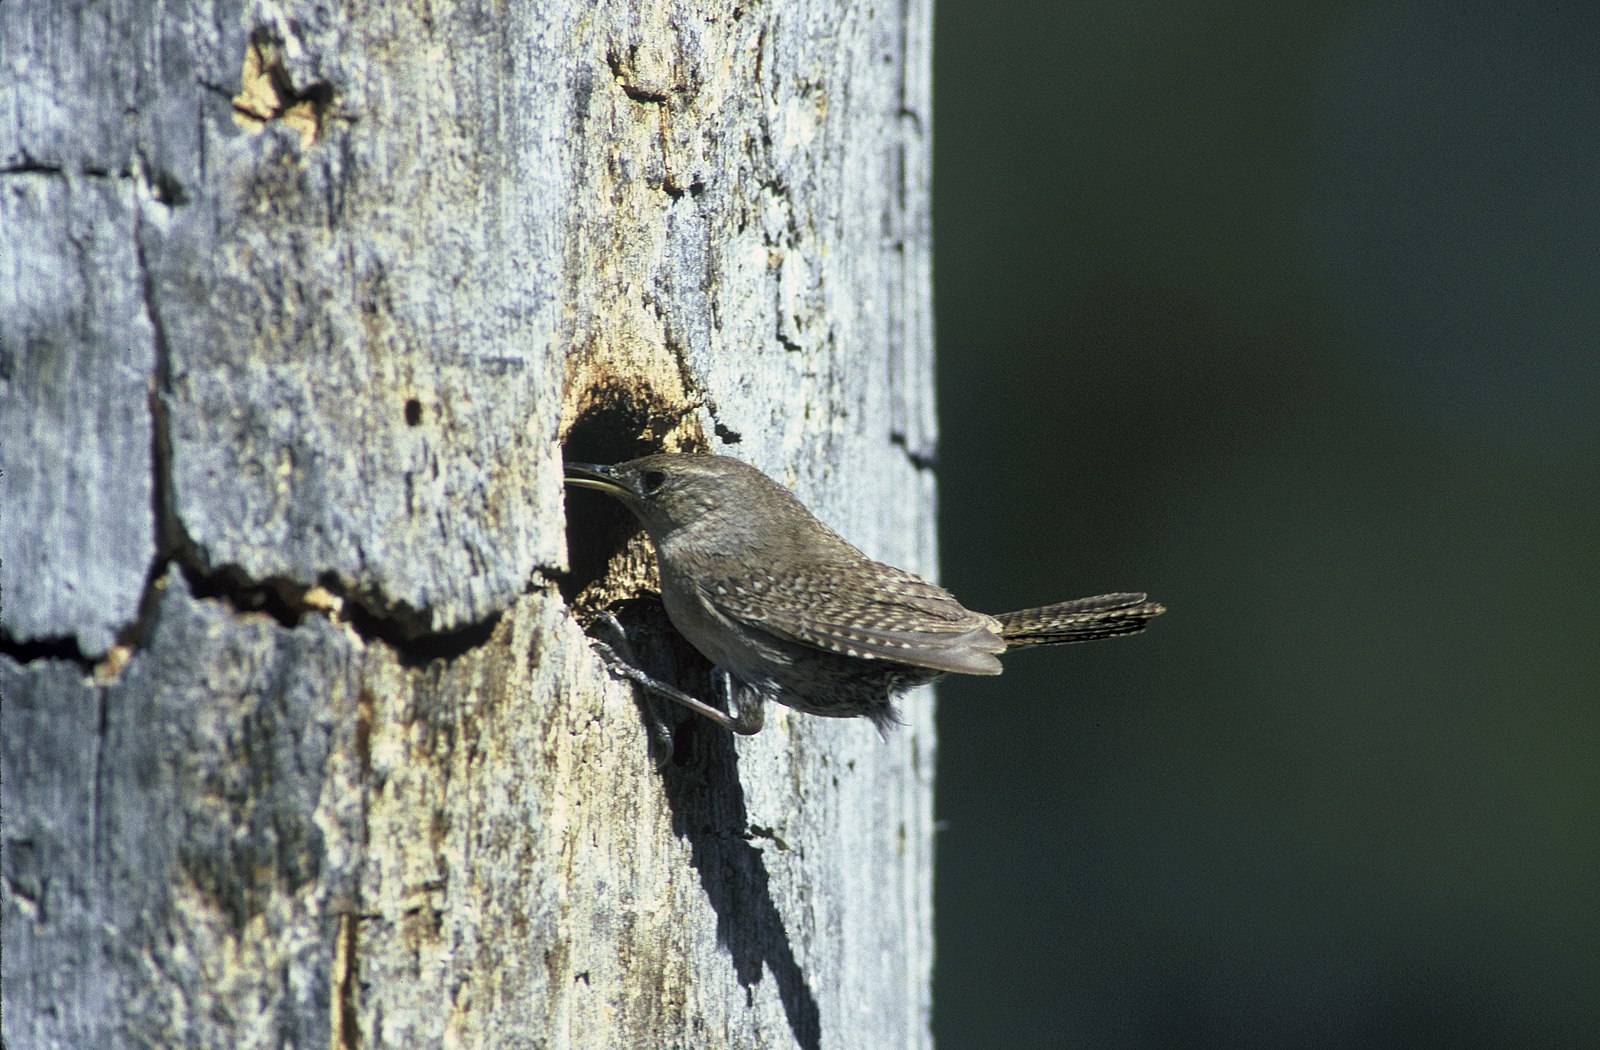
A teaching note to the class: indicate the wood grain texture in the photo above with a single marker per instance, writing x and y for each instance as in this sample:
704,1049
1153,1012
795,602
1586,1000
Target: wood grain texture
298,303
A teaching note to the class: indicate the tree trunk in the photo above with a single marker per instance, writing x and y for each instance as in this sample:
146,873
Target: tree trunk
303,743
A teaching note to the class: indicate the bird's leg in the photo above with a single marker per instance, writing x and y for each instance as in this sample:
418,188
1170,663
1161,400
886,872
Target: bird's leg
620,659
748,707
745,721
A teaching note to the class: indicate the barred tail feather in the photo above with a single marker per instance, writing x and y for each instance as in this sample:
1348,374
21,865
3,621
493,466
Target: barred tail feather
1082,620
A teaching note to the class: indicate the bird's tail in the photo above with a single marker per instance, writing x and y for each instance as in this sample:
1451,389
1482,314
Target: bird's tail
1083,620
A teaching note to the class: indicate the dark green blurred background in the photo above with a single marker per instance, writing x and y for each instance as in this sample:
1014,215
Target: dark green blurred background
1290,315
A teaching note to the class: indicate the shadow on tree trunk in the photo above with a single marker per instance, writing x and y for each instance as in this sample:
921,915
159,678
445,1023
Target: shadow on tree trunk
701,781
708,811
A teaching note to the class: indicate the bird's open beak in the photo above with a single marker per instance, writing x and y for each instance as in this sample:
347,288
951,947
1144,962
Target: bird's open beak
595,476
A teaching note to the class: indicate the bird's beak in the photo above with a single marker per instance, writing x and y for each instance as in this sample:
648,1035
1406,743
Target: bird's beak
595,476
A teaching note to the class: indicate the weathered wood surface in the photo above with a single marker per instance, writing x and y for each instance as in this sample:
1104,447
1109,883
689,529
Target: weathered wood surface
302,744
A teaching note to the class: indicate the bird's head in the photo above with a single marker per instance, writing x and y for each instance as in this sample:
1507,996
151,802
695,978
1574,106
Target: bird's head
674,493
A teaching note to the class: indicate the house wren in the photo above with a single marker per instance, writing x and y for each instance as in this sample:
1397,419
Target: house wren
789,611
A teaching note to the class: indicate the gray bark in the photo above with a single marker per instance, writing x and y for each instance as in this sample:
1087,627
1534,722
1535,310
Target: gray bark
303,744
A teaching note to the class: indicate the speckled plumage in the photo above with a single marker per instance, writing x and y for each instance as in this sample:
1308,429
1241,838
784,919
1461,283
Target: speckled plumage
794,613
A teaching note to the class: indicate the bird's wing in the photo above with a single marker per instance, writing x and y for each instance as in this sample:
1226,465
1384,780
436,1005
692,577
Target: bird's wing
870,611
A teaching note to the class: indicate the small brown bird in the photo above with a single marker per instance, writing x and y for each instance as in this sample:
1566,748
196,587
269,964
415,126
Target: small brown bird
790,611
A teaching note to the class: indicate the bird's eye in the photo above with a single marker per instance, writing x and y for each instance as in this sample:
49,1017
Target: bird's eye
651,480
